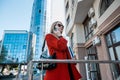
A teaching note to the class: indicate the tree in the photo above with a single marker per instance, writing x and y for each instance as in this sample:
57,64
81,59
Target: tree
3,54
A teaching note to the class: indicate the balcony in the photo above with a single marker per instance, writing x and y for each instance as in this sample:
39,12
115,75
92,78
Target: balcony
82,10
79,13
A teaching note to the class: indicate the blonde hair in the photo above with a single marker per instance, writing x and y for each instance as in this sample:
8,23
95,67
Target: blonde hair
53,26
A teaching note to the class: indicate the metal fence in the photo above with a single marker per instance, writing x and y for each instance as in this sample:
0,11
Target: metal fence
30,74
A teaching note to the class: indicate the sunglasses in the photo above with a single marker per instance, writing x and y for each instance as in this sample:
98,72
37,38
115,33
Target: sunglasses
59,25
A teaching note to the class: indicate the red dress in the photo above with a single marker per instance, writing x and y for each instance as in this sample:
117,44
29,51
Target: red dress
61,71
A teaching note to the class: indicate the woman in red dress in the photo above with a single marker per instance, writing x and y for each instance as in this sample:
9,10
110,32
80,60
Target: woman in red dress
56,43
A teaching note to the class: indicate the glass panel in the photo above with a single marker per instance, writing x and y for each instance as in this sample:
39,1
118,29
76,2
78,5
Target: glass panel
93,50
112,56
108,40
118,52
67,6
94,76
91,57
90,50
89,76
86,32
104,5
92,67
115,70
116,35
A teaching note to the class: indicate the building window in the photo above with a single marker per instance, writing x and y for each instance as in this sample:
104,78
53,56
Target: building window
113,44
104,5
71,38
39,10
88,30
68,19
73,2
93,68
67,6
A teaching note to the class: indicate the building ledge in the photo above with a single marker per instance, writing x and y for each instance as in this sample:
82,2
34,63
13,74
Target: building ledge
83,7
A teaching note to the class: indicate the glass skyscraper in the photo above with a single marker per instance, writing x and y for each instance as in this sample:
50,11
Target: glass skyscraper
38,21
15,46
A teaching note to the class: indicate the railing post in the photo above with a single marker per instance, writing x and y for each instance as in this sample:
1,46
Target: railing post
19,69
30,74
42,72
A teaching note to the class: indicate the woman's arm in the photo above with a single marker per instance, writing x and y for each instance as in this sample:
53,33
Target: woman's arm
58,44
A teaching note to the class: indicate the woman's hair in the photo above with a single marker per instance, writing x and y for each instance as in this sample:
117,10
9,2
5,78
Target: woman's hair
53,25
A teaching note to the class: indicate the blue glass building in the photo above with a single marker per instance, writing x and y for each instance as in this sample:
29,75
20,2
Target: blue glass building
38,21
15,46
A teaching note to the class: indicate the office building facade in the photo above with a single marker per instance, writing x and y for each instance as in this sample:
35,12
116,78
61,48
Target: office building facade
15,47
94,29
38,24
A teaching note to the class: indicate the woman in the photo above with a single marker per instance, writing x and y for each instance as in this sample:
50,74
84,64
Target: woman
56,43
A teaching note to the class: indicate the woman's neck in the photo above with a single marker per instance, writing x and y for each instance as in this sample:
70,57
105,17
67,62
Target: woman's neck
55,35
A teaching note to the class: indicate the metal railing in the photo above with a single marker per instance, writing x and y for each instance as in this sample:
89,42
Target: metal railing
66,61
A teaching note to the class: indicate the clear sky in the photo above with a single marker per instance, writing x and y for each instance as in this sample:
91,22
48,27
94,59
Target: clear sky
15,15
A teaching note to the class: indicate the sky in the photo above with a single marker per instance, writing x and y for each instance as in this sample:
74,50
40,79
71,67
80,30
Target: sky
15,15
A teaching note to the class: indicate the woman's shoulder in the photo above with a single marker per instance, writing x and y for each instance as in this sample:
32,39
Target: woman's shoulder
50,35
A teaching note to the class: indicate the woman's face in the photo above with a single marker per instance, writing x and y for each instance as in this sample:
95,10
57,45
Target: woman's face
59,27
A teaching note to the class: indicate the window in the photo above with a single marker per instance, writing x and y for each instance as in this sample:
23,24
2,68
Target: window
73,2
38,29
72,40
116,35
104,5
39,10
93,68
108,40
67,6
113,44
24,46
68,19
88,30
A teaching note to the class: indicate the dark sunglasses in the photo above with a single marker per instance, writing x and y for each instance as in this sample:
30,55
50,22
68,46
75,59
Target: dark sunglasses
59,25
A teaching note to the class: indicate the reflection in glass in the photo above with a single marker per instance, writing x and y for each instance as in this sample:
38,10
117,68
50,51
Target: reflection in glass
118,52
111,53
115,70
91,57
113,42
92,67
14,45
108,40
116,35
94,76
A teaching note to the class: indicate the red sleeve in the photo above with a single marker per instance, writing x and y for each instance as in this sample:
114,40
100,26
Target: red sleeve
58,44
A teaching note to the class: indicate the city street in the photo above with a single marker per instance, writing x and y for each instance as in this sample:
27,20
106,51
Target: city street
67,39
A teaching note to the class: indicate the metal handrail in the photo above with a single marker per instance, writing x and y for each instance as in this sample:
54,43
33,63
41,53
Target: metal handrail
66,61
74,61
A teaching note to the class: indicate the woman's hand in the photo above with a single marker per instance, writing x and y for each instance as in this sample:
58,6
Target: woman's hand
57,32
